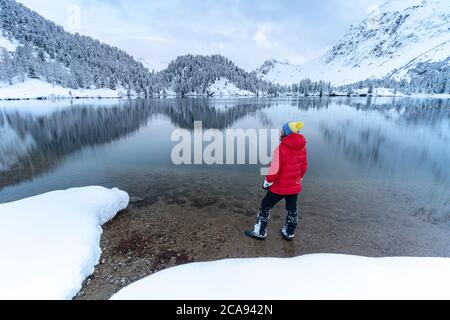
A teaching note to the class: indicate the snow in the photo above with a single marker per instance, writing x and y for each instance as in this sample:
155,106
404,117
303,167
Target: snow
38,89
436,54
7,44
379,46
377,92
224,87
51,242
153,65
320,276
282,73
169,93
39,108
401,5
386,92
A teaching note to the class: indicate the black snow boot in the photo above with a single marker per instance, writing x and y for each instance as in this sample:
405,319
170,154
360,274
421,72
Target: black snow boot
288,231
259,231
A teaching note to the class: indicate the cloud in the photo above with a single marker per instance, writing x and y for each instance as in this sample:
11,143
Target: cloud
261,37
156,39
248,32
371,9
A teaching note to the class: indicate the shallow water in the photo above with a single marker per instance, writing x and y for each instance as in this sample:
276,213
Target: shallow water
370,160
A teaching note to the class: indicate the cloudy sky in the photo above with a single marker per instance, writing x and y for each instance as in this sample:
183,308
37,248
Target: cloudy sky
247,31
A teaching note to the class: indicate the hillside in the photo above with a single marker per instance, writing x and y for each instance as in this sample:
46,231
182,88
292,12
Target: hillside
402,40
404,45
36,53
36,48
208,75
280,72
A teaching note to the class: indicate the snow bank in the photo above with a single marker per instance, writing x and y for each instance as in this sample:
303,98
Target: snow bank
224,87
38,89
319,276
386,92
41,108
379,92
51,243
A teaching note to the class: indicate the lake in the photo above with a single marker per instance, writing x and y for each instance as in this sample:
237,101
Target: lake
379,163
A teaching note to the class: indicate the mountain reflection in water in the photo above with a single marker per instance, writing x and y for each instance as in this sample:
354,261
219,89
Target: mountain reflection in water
392,139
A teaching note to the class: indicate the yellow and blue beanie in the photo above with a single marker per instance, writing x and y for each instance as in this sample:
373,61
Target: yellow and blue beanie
292,127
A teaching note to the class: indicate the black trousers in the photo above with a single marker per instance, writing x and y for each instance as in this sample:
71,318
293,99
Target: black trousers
271,200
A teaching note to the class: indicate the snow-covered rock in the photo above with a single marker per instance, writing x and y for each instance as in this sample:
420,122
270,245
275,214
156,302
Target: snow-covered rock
38,89
51,242
393,40
320,276
224,87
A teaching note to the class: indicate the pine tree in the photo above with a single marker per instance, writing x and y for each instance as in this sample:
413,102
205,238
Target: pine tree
6,67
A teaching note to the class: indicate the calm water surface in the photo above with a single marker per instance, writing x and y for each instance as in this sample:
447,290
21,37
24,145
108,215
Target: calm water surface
372,159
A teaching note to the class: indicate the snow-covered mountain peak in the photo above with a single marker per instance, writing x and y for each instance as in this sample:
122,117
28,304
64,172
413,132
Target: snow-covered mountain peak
281,72
400,5
393,40
269,65
392,29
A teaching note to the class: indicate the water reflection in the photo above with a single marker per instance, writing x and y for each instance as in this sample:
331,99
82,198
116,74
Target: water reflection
389,137
417,111
32,145
402,139
361,145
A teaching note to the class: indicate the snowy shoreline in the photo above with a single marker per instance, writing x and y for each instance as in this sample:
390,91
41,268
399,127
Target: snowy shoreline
51,242
34,89
317,276
52,245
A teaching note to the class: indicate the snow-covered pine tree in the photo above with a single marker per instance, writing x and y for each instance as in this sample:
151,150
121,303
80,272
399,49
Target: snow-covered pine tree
6,67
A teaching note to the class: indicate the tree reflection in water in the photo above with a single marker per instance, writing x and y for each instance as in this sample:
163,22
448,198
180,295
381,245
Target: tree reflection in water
379,134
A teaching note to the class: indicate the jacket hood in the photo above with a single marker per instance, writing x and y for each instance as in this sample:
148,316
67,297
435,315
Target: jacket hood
294,141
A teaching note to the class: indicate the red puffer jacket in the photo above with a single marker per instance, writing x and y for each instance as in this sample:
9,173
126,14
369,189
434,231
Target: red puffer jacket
289,166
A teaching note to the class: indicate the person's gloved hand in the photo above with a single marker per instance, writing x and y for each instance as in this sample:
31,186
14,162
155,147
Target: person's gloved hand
267,185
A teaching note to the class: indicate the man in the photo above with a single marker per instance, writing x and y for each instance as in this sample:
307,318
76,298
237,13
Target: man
289,166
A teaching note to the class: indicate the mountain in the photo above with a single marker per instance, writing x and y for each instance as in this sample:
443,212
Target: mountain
210,75
32,47
151,65
401,40
36,53
280,72
403,45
